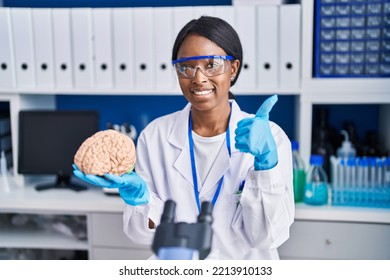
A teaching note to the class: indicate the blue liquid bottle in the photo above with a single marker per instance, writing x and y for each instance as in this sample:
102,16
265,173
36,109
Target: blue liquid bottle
316,187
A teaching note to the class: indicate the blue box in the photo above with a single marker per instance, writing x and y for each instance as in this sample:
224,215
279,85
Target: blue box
351,39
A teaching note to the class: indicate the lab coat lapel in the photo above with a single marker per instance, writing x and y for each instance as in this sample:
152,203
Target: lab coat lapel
179,139
223,160
219,168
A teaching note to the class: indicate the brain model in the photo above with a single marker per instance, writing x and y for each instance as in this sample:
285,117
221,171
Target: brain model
107,151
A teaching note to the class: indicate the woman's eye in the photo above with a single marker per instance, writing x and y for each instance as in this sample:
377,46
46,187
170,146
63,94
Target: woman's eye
184,68
212,65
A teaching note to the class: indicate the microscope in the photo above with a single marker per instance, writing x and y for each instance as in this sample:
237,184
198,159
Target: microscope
183,241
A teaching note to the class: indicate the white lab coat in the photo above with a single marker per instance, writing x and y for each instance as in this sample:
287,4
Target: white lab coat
250,229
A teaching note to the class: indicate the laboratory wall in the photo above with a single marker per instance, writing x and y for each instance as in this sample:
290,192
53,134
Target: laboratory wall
139,110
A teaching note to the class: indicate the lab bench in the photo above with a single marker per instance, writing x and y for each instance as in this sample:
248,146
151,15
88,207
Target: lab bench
104,236
318,232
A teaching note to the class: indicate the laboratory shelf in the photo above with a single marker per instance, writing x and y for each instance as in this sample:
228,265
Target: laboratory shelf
342,214
13,237
104,234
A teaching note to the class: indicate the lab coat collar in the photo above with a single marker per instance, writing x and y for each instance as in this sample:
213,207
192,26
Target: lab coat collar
179,139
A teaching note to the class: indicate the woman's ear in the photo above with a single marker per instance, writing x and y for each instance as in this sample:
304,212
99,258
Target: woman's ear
235,67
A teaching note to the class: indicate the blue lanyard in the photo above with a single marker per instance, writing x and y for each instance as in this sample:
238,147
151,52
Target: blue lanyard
193,165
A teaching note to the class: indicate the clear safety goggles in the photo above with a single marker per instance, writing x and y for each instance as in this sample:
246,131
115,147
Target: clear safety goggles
211,65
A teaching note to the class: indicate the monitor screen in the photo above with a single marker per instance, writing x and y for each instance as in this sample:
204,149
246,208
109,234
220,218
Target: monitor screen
48,141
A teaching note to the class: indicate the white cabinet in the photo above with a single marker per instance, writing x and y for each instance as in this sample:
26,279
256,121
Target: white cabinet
108,240
337,240
338,233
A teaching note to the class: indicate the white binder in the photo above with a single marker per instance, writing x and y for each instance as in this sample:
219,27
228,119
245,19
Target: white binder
267,46
43,46
62,35
199,11
163,36
83,66
123,48
102,34
290,34
144,48
23,47
246,29
181,16
7,67
226,13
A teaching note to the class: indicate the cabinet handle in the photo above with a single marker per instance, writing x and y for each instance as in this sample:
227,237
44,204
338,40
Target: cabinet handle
328,241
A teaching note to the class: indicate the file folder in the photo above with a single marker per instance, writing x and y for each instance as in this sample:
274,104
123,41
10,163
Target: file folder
267,46
181,16
7,67
199,11
163,35
23,47
226,13
144,48
246,29
82,47
102,34
62,35
123,46
43,46
290,34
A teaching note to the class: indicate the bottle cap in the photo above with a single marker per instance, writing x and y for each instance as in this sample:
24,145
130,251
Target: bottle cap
363,162
316,159
351,161
346,148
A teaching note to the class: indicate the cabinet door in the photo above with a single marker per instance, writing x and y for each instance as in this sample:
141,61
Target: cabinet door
103,253
336,240
108,240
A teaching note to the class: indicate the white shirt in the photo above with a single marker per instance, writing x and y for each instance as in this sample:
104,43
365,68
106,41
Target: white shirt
253,228
206,151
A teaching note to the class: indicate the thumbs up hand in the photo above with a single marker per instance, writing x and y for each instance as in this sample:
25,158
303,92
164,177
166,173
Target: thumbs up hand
253,135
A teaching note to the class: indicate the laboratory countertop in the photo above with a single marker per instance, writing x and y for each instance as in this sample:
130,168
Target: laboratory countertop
27,199
342,214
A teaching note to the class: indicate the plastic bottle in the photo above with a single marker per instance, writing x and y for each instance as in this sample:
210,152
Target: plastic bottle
3,164
299,173
387,172
346,150
4,184
316,187
323,137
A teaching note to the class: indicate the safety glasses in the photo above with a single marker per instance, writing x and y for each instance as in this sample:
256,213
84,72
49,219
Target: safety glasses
211,65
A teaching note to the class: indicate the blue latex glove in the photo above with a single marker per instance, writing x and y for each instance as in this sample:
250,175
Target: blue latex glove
253,135
132,188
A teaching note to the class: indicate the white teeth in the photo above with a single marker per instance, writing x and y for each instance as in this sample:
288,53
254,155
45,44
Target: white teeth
203,92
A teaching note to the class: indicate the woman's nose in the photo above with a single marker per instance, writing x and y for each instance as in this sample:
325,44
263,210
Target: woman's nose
199,76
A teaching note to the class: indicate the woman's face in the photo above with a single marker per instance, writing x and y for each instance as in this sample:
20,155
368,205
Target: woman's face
205,93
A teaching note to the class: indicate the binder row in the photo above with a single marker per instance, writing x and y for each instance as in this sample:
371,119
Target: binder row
130,48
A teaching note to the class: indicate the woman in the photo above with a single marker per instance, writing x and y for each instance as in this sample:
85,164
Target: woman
211,151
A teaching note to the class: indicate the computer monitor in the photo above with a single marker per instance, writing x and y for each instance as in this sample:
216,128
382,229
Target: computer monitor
48,141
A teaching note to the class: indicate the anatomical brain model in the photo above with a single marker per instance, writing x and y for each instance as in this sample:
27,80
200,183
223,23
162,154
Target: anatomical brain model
107,151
